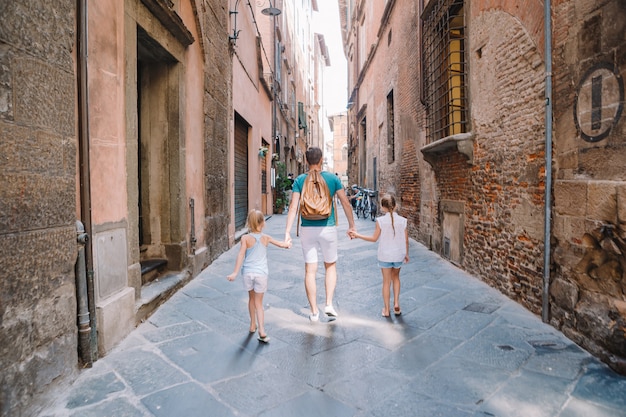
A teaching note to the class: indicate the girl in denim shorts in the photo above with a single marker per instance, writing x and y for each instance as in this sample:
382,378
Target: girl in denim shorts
393,250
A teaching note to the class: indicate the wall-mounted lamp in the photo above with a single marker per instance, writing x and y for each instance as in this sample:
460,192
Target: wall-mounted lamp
233,38
271,11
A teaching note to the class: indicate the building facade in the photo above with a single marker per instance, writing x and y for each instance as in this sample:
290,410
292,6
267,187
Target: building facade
339,145
448,107
135,137
114,123
277,62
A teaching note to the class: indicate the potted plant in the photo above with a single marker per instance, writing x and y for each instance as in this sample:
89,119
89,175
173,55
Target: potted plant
282,185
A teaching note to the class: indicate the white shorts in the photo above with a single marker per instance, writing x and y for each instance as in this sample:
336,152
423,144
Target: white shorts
324,238
256,282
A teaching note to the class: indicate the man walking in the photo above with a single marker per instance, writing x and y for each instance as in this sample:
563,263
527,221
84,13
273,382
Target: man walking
320,234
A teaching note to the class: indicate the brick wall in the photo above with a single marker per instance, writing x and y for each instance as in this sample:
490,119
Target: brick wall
504,212
502,184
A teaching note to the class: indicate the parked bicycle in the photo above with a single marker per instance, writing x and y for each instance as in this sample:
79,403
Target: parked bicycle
365,203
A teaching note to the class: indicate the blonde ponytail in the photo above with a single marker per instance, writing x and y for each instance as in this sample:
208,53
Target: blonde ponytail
389,202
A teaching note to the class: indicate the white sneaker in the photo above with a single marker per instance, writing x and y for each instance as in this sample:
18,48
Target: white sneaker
314,317
330,311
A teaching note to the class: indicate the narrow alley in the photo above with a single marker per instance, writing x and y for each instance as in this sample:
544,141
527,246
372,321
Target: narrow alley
460,348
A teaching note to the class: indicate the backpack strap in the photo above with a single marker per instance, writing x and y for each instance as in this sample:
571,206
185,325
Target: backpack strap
298,219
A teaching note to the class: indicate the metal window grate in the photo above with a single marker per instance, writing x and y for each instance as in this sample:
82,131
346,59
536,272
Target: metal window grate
445,69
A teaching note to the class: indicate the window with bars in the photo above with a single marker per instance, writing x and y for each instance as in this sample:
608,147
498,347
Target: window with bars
391,140
444,68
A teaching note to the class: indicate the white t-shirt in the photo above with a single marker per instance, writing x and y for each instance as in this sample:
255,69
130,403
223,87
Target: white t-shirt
391,248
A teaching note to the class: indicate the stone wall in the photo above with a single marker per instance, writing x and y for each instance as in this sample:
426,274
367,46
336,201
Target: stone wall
589,232
217,111
38,333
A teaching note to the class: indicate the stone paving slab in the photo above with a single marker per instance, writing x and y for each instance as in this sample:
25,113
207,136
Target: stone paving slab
459,349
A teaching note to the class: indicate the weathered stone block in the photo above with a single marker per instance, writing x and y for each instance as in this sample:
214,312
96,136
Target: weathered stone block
24,150
36,201
116,319
602,201
47,33
569,229
15,328
568,197
55,317
44,97
35,264
565,294
621,203
6,84
603,163
592,316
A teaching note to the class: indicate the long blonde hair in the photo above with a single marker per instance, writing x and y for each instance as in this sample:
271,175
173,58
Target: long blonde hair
389,202
256,221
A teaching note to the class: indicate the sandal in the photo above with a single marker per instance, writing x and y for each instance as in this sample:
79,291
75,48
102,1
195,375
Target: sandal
397,311
383,313
264,339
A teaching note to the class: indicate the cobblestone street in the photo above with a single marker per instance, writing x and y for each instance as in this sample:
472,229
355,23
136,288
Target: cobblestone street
459,349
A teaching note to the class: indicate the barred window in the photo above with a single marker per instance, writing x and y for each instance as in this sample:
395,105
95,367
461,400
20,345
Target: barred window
391,140
444,68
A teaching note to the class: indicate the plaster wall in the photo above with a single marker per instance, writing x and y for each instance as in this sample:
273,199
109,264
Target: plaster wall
252,101
106,111
194,130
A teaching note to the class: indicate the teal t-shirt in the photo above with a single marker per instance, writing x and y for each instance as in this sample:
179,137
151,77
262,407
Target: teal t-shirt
334,184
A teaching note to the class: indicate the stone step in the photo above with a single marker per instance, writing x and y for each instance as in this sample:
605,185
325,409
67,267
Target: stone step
151,269
157,291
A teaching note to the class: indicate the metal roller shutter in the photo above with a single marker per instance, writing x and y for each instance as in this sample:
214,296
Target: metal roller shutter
241,172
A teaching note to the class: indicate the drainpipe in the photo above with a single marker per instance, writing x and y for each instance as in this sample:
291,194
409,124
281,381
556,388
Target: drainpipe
84,329
192,236
84,168
545,310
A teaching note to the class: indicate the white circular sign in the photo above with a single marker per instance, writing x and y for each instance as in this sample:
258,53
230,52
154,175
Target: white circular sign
599,102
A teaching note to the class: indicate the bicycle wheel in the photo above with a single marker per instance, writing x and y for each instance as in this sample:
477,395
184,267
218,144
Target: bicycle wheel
366,208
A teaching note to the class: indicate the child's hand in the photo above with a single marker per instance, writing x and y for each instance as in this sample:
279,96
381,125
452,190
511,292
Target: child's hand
406,259
232,276
287,244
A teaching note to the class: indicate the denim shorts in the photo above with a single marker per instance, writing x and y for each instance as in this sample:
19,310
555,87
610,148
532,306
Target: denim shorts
396,265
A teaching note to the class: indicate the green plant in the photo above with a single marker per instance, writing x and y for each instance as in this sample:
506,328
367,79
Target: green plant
280,204
282,185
